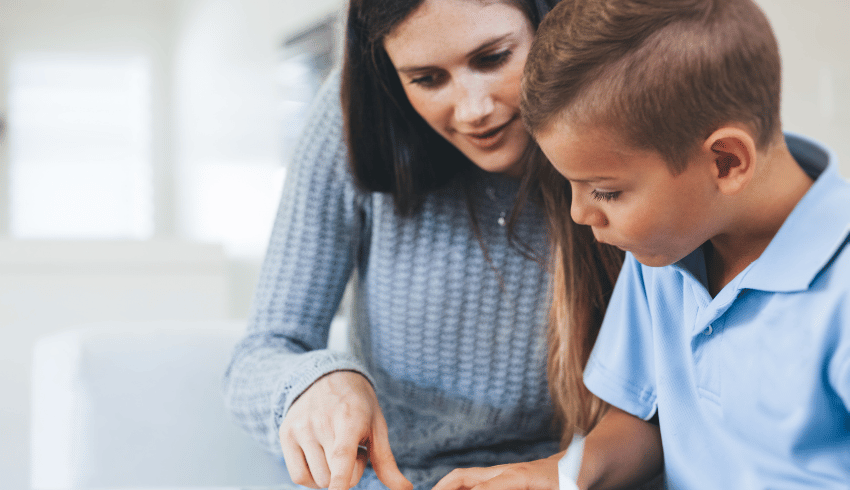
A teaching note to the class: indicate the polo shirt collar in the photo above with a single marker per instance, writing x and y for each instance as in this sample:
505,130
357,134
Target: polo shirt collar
810,236
814,231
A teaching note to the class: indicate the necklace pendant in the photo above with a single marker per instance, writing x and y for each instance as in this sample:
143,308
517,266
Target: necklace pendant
491,193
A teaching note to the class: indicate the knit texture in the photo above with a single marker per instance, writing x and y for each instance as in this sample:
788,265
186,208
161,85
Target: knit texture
453,344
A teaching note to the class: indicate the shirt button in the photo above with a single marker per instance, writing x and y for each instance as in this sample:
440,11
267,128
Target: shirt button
708,330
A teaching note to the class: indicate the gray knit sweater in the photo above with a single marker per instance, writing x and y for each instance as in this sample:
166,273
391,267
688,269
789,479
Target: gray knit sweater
453,344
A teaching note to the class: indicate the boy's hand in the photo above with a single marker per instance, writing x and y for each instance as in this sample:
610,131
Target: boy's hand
534,475
326,429
622,451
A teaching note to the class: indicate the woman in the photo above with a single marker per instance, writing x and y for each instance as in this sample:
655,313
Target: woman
432,219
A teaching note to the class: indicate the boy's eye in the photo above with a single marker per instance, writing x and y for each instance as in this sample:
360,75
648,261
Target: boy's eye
493,60
605,195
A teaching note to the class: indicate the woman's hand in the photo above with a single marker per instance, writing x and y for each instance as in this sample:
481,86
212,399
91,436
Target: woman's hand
534,475
326,429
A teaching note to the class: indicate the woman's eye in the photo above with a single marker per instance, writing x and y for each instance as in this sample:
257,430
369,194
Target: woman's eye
427,81
494,60
605,195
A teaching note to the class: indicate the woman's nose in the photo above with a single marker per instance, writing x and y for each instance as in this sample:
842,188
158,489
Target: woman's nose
474,101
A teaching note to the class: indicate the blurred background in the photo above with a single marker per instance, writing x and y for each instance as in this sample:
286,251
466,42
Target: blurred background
143,146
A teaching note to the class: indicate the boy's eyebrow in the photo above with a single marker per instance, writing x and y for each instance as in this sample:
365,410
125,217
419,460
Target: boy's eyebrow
482,47
591,179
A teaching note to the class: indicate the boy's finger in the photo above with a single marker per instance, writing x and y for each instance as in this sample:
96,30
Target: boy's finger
466,478
510,479
519,479
500,482
383,460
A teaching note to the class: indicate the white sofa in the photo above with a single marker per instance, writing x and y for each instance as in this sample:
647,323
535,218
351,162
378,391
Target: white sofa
135,405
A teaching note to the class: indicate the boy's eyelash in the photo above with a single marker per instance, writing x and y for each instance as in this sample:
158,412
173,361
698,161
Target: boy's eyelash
605,195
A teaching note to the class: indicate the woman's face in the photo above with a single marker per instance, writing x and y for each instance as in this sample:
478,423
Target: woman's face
460,62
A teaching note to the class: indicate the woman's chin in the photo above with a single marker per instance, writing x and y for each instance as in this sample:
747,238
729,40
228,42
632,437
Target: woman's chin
510,170
507,164
505,158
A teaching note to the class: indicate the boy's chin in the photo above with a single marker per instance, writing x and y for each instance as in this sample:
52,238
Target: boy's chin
654,260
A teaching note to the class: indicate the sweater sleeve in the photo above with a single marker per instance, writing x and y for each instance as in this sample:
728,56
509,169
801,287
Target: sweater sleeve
311,255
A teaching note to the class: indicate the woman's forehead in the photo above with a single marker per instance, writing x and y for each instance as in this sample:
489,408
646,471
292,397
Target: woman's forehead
450,11
452,26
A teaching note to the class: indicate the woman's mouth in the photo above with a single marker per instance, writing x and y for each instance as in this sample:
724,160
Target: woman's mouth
491,137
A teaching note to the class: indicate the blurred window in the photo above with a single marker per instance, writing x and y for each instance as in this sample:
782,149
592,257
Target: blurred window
306,59
234,201
80,141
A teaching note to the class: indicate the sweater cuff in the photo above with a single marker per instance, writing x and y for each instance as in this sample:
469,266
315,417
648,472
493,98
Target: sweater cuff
314,365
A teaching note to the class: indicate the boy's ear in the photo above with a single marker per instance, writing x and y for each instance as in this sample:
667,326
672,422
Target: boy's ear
733,153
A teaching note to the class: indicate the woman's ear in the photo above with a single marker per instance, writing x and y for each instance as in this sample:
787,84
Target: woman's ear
732,151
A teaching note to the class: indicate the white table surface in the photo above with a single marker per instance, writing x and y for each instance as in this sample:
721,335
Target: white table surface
285,486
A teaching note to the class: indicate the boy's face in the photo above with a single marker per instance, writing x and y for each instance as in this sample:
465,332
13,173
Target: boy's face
629,197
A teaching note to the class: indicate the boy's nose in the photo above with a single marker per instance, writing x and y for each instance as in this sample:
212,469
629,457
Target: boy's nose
585,214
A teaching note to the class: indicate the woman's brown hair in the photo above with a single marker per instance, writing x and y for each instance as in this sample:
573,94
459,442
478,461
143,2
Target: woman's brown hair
583,274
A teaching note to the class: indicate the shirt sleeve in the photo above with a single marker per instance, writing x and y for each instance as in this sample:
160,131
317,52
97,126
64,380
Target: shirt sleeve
621,367
311,255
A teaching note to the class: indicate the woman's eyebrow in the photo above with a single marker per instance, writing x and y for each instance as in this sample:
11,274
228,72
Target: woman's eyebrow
482,47
488,44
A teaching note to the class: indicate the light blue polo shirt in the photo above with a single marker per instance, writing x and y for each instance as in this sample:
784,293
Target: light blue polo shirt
752,387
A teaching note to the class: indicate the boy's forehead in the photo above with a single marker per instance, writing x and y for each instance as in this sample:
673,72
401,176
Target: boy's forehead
580,139
589,153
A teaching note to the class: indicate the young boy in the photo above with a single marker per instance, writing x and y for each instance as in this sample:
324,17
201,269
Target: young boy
730,321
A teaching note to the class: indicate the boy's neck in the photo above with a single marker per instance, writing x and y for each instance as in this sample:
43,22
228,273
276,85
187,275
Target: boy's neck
757,215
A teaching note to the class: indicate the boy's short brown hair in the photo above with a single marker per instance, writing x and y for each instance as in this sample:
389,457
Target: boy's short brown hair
664,74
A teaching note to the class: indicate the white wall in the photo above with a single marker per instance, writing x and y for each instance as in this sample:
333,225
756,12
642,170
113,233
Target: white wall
816,69
103,27
106,27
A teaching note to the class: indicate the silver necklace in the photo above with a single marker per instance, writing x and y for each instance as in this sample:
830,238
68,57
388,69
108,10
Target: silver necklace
491,193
